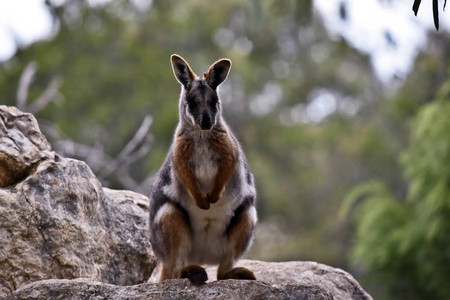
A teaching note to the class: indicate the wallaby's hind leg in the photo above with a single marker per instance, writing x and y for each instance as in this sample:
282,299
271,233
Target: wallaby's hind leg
239,237
173,240
172,236
196,274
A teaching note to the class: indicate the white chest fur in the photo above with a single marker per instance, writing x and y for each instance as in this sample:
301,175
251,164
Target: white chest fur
208,226
205,165
209,231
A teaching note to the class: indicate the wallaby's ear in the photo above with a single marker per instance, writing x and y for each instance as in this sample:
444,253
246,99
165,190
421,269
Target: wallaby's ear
218,72
183,73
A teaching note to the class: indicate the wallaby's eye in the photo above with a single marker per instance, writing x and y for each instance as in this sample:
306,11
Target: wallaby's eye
192,104
214,102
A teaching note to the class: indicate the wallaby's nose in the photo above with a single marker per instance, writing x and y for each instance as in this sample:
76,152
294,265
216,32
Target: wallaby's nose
206,122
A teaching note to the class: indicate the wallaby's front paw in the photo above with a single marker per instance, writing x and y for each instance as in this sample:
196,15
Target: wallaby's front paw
213,197
202,202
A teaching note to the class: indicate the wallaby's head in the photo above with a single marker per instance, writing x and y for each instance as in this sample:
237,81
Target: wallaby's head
199,102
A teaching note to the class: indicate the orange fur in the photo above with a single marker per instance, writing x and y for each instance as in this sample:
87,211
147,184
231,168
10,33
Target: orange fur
238,235
182,155
177,230
237,240
223,146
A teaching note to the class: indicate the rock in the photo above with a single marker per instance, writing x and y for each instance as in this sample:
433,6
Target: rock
80,289
58,225
132,260
22,145
339,283
58,221
284,280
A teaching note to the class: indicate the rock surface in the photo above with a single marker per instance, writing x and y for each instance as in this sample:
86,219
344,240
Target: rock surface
56,220
179,289
339,283
285,280
57,224
22,145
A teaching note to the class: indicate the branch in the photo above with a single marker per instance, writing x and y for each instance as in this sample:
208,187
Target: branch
47,96
125,156
24,85
95,157
103,165
26,79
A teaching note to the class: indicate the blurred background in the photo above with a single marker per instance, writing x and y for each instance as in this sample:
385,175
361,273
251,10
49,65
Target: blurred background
342,108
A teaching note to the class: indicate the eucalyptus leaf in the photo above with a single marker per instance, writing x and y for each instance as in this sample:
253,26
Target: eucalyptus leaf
436,14
416,6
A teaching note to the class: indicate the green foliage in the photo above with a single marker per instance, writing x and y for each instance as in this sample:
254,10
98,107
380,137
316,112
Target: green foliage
405,243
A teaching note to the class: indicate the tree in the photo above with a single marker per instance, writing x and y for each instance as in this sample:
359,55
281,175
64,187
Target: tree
404,242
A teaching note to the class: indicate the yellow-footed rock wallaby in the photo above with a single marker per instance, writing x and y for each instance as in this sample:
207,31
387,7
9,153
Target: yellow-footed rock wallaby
202,205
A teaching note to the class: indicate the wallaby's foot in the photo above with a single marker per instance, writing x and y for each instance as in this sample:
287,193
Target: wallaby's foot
239,273
196,274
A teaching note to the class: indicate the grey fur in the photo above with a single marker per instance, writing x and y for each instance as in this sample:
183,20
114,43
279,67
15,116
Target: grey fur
208,245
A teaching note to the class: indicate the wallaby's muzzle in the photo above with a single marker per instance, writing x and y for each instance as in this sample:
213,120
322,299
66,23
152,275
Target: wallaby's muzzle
206,123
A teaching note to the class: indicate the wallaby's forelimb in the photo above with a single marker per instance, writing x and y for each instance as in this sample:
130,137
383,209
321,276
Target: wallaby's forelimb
182,153
222,145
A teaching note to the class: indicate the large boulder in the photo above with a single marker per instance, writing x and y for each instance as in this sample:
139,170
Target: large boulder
285,280
339,283
177,289
22,145
64,236
335,281
57,221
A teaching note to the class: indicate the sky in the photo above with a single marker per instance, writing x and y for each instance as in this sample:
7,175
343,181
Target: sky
387,30
22,22
372,23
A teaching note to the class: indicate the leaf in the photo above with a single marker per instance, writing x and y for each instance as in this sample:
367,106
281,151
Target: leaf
436,14
416,6
369,190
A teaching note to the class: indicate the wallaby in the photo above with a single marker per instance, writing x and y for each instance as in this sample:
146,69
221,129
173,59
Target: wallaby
202,205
